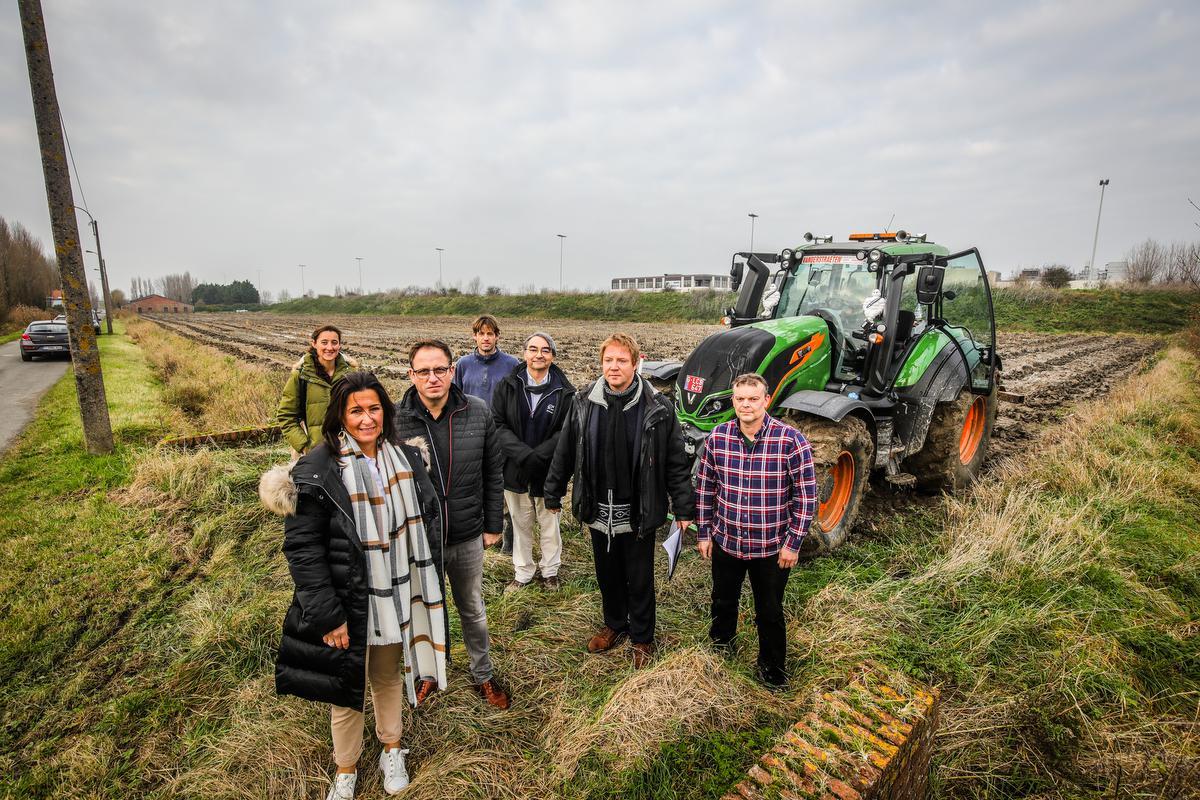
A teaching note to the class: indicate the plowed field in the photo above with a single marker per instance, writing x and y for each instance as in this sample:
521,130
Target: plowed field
1052,371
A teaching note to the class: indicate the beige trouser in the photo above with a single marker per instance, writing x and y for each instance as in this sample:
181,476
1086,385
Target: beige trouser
525,510
385,673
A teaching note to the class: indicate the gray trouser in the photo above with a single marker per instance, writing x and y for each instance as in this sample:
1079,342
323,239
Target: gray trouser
464,572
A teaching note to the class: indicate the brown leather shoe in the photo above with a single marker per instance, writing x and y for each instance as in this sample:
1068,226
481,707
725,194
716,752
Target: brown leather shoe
494,693
551,584
605,639
424,689
643,652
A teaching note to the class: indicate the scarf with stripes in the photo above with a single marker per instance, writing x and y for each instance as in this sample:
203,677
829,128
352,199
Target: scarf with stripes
406,602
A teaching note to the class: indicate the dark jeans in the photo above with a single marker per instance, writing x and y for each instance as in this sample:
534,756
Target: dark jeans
767,581
626,577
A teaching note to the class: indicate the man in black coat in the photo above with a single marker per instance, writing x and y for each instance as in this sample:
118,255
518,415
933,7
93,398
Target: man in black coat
530,406
624,448
466,466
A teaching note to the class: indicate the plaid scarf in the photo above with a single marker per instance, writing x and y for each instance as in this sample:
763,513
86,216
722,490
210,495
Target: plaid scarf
406,603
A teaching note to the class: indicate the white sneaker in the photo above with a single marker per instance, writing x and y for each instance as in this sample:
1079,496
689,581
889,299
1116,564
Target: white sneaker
395,776
343,786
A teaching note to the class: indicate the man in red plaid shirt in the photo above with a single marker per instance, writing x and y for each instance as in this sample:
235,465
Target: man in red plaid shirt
756,495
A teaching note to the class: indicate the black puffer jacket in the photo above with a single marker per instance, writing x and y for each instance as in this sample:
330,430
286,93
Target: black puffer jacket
525,467
663,470
473,495
329,569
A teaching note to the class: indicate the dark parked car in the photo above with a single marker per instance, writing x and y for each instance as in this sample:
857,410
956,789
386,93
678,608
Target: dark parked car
45,339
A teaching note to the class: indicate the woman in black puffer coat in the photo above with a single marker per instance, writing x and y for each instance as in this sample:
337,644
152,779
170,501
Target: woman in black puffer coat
337,567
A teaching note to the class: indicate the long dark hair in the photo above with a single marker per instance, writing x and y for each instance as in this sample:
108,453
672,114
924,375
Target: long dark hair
339,397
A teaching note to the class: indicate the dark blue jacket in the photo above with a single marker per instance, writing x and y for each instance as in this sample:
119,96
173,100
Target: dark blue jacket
479,375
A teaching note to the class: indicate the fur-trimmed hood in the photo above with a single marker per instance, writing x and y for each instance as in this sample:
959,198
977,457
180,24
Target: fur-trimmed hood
278,492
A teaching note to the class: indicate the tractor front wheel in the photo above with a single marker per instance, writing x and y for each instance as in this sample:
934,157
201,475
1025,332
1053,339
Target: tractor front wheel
843,453
957,443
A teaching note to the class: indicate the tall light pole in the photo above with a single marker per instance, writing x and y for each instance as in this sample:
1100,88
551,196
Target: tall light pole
561,238
1096,238
259,287
753,217
103,270
303,291
359,260
439,252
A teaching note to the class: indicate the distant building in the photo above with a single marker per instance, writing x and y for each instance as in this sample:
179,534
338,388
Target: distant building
676,283
1114,272
55,300
157,304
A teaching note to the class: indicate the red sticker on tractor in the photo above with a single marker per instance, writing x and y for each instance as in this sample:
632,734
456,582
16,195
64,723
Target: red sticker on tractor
694,383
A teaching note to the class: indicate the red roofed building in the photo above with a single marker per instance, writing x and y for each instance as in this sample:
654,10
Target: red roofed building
157,304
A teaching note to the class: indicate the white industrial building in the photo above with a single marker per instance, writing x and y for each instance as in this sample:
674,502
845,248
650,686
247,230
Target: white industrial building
676,283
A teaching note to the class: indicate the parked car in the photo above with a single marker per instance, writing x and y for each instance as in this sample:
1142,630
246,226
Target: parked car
95,320
45,339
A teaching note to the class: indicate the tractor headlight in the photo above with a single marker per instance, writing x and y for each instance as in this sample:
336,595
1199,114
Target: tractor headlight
785,257
876,255
715,407
861,255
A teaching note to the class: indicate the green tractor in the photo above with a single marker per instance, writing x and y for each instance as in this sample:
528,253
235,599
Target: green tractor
881,350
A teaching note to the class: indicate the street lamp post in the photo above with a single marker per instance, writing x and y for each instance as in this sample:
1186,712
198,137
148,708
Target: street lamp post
103,270
303,290
439,252
359,260
561,238
753,217
1096,238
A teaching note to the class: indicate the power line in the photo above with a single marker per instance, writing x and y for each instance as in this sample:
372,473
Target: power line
71,155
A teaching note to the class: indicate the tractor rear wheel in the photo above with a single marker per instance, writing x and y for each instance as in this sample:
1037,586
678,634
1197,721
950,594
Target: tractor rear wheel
957,443
843,453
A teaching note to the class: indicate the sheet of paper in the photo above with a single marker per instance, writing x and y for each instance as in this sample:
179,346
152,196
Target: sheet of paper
673,544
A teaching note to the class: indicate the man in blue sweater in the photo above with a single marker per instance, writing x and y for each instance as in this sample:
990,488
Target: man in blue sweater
479,373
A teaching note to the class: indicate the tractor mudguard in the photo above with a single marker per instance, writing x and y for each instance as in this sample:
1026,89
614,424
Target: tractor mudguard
941,383
828,406
661,370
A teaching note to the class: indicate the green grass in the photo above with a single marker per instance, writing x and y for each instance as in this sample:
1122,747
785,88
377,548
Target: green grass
5,338
1108,310
1057,607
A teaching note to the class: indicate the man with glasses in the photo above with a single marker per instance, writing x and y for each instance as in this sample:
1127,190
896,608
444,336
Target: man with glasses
467,471
529,407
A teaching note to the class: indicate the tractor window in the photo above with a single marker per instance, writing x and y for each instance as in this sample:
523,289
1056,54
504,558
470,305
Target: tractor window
837,284
967,309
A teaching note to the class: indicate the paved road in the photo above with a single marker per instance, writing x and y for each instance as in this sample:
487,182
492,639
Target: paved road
21,386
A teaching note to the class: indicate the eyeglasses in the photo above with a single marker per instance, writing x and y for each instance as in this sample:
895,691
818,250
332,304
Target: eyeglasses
546,351
423,374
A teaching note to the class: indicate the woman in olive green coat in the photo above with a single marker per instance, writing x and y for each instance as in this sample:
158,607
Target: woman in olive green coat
306,393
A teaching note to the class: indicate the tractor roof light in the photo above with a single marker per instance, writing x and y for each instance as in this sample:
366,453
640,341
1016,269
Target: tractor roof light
870,237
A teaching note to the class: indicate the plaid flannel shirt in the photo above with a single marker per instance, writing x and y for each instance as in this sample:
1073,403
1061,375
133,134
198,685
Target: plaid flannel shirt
753,502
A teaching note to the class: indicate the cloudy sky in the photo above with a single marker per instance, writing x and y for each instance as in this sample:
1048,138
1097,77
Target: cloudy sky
228,138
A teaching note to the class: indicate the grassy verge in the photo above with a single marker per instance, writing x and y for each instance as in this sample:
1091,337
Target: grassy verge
5,338
1057,605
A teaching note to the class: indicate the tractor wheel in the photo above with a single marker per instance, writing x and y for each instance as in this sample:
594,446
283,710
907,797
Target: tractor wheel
957,443
843,453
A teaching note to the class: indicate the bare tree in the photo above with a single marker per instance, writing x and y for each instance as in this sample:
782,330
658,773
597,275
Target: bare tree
178,287
475,286
1146,262
140,287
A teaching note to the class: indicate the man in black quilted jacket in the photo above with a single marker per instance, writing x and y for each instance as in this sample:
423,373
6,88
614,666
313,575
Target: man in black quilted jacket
467,468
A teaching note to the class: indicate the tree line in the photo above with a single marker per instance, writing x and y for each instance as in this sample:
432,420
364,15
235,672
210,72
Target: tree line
1175,264
27,274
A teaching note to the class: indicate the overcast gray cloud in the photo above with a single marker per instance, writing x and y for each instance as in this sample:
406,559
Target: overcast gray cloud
226,138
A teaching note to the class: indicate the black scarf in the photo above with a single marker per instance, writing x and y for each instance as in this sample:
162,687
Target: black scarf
618,466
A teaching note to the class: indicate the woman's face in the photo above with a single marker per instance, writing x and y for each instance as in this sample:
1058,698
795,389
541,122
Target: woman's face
363,418
327,344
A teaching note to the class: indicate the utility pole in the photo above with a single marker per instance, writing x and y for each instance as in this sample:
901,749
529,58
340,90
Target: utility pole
85,356
561,238
439,252
1096,238
753,217
103,270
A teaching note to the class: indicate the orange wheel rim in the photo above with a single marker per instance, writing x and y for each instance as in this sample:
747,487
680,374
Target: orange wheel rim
972,432
830,513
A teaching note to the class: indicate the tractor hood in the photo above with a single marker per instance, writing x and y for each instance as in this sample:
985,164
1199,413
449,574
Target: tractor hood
791,353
